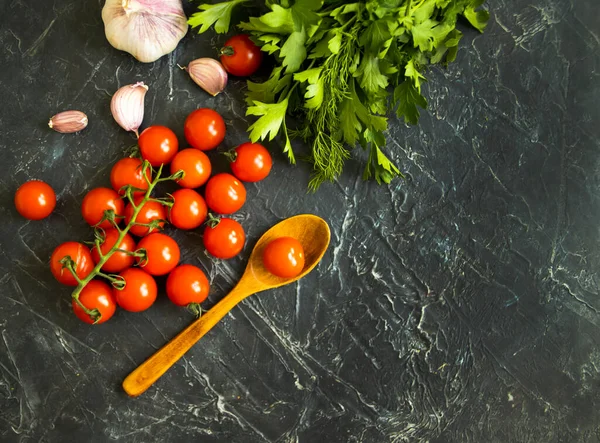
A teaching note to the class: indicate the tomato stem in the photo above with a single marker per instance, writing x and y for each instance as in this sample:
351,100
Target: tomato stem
231,155
227,50
195,309
212,220
116,281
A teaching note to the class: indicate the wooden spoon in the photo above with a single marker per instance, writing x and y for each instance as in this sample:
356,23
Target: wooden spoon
311,231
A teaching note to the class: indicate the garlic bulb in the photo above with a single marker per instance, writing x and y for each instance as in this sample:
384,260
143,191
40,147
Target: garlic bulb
127,106
147,29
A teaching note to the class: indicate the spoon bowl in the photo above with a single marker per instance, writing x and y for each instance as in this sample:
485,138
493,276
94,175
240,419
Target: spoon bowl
314,235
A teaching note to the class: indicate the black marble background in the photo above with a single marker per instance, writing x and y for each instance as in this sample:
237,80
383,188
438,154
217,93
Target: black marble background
459,305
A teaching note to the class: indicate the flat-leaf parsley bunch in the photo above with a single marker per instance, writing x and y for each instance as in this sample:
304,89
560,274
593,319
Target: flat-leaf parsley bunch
342,66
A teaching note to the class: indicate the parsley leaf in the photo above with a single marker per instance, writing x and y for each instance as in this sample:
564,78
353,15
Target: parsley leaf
294,51
407,98
218,15
315,90
411,72
371,78
265,92
272,115
272,119
477,18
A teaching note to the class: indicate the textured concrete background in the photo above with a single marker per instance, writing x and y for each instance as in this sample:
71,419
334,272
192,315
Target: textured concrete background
459,305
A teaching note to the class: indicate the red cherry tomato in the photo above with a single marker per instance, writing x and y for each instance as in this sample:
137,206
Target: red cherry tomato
96,202
119,260
240,56
252,162
158,145
284,257
187,284
80,254
35,200
150,211
196,166
162,254
128,171
225,240
95,295
139,292
189,209
204,129
225,194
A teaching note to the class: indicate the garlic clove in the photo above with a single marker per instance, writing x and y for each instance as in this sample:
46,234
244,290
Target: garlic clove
127,106
209,74
68,122
147,29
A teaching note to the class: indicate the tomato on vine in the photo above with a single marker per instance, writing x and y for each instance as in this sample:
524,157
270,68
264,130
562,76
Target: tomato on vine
95,295
139,292
119,260
35,200
252,162
284,257
196,167
161,254
151,212
158,145
96,202
81,257
128,171
189,209
240,56
204,129
187,285
225,194
224,238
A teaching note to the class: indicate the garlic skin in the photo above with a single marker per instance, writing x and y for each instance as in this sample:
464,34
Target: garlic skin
127,106
67,122
147,29
209,74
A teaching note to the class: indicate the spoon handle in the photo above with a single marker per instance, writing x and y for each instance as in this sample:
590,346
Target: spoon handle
148,372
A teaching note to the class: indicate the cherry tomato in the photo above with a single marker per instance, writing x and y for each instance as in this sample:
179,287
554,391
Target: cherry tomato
225,194
150,211
80,254
35,200
225,240
204,129
162,254
95,295
119,260
189,209
139,292
252,162
96,202
196,166
187,284
158,145
284,257
240,56
128,171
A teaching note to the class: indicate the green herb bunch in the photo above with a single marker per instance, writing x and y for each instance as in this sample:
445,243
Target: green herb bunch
341,67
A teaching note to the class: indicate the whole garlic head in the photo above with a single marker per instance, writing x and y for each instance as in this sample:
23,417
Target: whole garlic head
147,29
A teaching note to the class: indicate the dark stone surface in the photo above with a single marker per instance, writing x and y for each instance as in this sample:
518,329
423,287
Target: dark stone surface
460,305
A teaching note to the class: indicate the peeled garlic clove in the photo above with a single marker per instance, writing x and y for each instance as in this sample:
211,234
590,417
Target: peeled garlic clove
127,106
209,74
68,122
147,29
